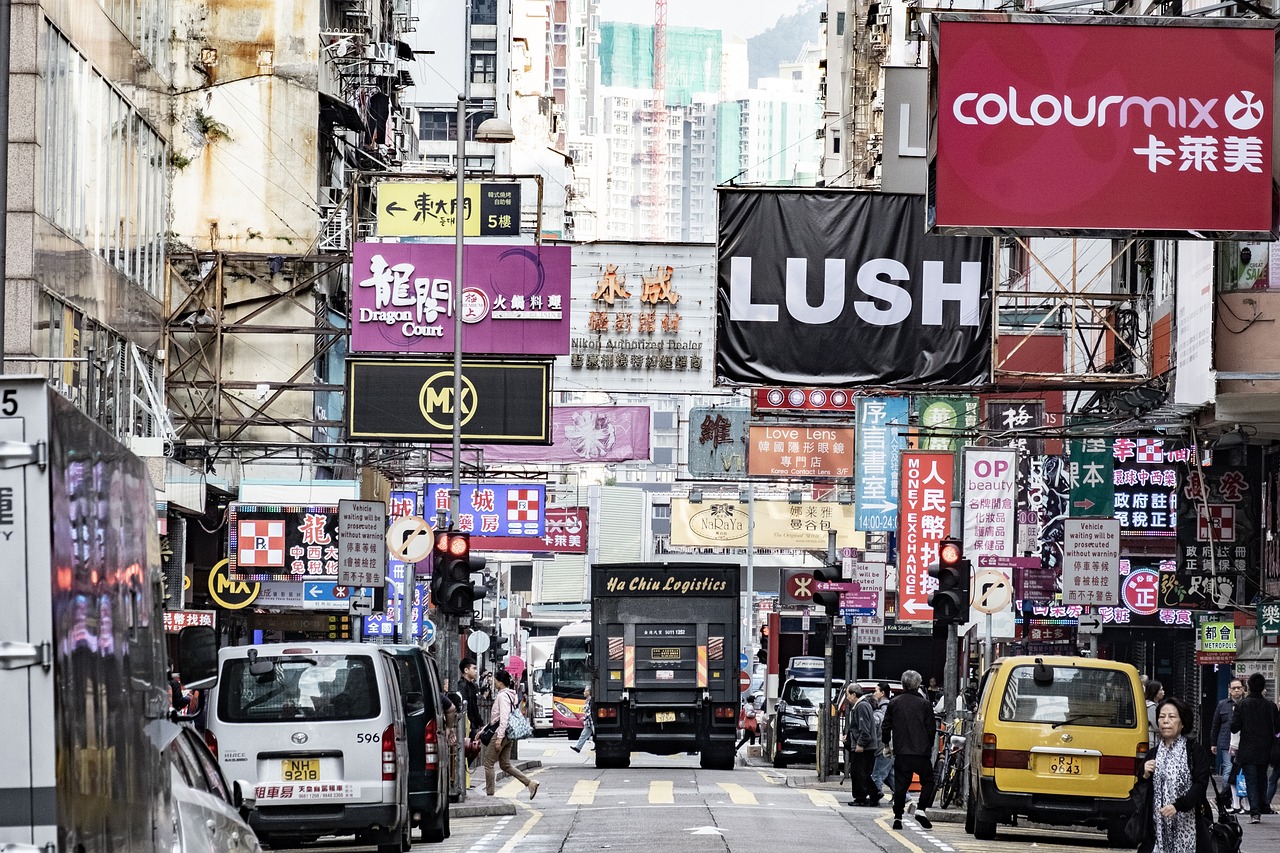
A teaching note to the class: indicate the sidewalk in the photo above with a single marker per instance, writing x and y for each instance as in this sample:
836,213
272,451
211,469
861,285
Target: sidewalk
1258,838
479,805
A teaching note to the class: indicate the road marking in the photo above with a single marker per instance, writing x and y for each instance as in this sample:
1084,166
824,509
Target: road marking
512,789
661,792
584,792
738,795
822,798
484,842
514,842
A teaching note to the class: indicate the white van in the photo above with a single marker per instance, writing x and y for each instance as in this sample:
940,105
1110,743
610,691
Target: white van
315,734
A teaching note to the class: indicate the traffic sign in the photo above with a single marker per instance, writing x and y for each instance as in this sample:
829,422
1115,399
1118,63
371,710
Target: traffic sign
744,681
743,661
797,587
991,592
868,654
361,603
1089,623
410,539
428,632
478,642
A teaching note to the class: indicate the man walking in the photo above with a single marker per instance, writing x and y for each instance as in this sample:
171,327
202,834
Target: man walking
860,728
909,729
1220,734
471,695
1255,718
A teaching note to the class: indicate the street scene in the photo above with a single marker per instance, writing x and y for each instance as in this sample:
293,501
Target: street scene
567,425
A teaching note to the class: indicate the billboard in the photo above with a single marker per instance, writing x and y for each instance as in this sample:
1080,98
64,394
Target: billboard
837,287
777,524
927,486
429,209
800,450
515,299
490,509
586,434
282,542
502,403
718,443
1101,126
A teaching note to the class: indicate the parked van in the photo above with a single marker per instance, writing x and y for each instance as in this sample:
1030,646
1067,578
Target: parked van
316,730
1059,740
425,726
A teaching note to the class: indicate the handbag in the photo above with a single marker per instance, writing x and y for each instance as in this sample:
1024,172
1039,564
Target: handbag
1135,828
1217,836
518,727
487,733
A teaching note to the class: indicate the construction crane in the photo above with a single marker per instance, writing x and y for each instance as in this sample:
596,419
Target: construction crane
656,197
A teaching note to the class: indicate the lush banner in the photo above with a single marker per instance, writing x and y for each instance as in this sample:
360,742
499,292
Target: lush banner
836,287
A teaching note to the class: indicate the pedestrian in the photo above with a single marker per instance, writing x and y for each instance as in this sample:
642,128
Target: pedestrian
588,721
882,770
1179,772
1220,736
1255,718
908,730
499,749
747,722
1155,692
1274,778
934,692
860,740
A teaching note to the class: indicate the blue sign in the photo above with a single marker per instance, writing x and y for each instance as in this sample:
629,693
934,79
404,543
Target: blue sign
881,436
428,632
492,509
743,661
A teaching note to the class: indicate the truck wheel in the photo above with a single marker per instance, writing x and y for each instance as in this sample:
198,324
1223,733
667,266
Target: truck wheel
779,760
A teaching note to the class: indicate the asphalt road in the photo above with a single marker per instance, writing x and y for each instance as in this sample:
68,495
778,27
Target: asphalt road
667,803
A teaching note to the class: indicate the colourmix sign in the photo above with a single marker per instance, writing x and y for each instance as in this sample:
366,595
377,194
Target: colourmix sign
837,287
1102,126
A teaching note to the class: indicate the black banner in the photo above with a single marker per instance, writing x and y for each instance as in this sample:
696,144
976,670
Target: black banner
836,287
502,402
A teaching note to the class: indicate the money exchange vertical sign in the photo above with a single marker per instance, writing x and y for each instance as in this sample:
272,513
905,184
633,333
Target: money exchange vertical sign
927,486
990,497
879,441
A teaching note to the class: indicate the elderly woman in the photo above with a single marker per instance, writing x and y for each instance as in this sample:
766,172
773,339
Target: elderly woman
1179,772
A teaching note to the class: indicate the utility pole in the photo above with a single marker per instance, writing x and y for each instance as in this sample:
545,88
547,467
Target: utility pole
5,19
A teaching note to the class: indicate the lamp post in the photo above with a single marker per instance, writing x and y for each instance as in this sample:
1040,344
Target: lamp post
748,494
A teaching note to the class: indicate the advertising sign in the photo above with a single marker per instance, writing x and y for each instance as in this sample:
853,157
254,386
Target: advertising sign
1091,561
586,434
925,519
800,450
1146,487
768,400
515,299
718,443
429,209
502,403
1217,521
989,496
778,524
881,435
944,421
835,287
282,542
1029,138
903,163
566,533
490,509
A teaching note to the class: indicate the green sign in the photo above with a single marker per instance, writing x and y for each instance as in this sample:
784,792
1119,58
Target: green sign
1217,636
1269,618
945,420
1092,487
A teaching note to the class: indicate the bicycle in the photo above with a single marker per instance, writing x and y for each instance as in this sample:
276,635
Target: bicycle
950,766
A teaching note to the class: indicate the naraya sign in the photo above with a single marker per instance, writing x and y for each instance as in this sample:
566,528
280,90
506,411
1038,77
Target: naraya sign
1102,126
722,523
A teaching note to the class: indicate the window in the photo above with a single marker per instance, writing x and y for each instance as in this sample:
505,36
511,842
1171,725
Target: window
437,125
484,61
839,23
298,687
1080,696
484,12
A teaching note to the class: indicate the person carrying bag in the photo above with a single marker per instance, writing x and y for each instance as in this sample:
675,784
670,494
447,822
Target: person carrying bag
498,748
1171,793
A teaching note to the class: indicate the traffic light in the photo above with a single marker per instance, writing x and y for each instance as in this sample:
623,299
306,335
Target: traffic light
828,601
500,649
950,602
452,565
762,654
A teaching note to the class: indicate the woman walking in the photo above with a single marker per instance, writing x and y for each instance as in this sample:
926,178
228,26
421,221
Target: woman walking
1178,770
499,749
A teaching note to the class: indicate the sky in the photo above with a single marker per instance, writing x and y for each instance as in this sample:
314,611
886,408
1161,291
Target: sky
741,17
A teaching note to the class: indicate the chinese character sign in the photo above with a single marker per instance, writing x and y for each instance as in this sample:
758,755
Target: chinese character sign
927,484
944,421
718,443
491,509
800,450
282,543
430,209
1091,561
881,428
989,495
1217,521
1092,482
1216,635
1146,486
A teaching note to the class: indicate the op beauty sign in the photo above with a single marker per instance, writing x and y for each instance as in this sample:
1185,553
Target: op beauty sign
1102,126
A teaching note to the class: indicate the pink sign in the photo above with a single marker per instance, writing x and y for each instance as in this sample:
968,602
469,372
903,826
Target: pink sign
515,299
925,519
585,434
1112,126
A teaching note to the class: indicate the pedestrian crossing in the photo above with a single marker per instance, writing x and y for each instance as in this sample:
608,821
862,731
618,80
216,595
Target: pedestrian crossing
612,790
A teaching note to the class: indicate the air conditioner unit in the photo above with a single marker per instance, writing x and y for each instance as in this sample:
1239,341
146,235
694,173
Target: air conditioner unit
883,18
380,52
877,39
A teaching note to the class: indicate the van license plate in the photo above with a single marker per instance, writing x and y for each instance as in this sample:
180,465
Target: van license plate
300,769
664,717
1065,765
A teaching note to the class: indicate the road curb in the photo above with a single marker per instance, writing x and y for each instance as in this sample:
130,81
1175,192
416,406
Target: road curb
479,805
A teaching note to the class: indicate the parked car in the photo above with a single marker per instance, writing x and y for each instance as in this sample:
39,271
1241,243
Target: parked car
317,728
426,730
207,809
795,714
1058,740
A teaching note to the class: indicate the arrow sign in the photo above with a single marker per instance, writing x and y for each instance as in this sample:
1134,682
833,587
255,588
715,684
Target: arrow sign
394,208
316,591
913,607
1090,623
880,506
1084,504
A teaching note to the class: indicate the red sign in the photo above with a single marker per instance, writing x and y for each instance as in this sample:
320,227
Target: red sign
566,533
803,400
1140,590
744,681
925,518
1102,126
800,587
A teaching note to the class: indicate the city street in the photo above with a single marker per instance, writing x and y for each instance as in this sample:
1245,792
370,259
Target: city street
668,803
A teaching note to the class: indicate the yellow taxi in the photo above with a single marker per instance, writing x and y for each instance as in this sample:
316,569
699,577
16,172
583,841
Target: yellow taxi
1056,739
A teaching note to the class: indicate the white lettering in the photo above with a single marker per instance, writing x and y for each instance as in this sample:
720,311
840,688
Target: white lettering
871,283
798,291
967,293
741,307
1048,109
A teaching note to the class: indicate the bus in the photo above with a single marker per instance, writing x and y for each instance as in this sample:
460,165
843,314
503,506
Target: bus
571,675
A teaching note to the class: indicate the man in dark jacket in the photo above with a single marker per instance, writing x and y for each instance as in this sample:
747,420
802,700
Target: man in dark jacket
861,739
1255,718
1220,730
909,730
470,694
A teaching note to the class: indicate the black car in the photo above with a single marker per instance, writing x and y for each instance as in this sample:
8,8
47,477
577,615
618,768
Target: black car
428,747
795,718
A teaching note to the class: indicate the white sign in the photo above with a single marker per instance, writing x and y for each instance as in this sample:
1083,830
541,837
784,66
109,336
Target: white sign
1089,623
478,642
361,604
362,548
868,654
1091,561
990,495
410,539
869,577
992,592
869,635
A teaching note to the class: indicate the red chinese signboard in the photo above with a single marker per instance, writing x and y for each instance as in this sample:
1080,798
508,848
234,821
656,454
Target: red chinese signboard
1102,126
928,484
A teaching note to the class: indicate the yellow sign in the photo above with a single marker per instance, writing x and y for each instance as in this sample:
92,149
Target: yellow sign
228,593
778,524
429,209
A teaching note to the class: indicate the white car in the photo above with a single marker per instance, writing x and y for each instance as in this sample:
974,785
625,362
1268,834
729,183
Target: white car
207,809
